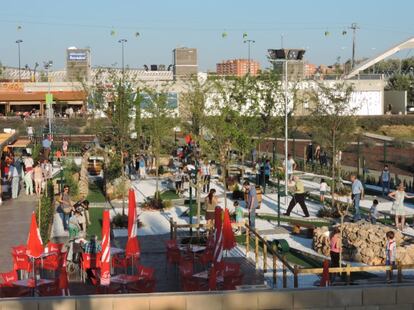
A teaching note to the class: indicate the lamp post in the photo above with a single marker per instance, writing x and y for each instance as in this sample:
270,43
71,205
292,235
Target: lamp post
123,41
18,52
285,56
47,65
249,42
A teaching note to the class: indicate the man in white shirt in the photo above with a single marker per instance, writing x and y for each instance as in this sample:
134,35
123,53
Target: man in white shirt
291,166
357,195
14,178
206,174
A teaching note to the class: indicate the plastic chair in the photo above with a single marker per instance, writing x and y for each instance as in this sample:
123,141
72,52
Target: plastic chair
171,244
13,291
230,282
9,277
145,272
51,289
205,258
230,269
186,269
173,256
19,250
55,247
192,284
90,262
21,262
119,262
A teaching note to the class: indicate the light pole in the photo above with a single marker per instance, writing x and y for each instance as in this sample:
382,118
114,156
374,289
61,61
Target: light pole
354,28
123,41
47,65
18,51
284,56
249,42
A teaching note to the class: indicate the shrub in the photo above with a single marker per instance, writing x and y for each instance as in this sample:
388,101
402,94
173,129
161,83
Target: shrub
46,212
114,169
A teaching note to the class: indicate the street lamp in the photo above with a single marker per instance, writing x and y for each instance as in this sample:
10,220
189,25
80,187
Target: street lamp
284,56
47,65
249,42
123,41
18,51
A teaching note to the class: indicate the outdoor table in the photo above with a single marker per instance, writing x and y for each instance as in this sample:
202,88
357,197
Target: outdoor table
204,275
31,283
115,251
124,280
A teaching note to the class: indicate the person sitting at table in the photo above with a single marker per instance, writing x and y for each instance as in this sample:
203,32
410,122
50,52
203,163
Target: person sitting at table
92,246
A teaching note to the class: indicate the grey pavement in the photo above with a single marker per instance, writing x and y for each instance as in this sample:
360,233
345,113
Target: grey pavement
15,216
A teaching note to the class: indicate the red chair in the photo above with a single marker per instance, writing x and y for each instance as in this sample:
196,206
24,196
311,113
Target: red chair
173,256
90,262
9,277
21,262
186,270
113,288
19,250
141,286
55,247
230,282
145,272
118,261
205,258
230,269
171,244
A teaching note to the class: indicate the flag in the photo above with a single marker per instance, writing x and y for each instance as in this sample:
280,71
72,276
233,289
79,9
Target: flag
218,248
106,249
229,241
34,241
244,35
132,247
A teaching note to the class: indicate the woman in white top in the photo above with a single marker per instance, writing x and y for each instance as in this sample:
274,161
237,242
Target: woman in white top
399,195
323,188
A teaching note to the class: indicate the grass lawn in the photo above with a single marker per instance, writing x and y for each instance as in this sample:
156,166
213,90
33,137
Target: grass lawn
95,192
96,219
169,195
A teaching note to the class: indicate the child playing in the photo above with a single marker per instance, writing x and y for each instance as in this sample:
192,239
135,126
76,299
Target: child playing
322,189
58,155
373,212
390,253
239,217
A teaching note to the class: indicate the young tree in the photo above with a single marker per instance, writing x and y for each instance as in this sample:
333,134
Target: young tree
159,118
332,121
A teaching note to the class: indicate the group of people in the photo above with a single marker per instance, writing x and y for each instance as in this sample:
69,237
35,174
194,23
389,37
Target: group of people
16,169
75,216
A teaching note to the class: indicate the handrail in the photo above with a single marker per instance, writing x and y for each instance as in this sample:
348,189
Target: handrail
270,249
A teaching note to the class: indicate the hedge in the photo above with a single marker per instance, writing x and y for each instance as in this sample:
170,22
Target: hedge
47,211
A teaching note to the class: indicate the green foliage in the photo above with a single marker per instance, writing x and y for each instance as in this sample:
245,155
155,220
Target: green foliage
402,82
36,152
114,168
71,182
120,221
46,212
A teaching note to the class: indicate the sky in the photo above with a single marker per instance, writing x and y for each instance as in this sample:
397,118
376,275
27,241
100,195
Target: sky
48,27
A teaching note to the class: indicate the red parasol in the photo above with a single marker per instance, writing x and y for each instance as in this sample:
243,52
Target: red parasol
325,275
132,247
34,241
218,248
106,253
229,241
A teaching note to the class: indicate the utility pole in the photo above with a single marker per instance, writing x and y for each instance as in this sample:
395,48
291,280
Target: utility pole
18,52
248,52
354,27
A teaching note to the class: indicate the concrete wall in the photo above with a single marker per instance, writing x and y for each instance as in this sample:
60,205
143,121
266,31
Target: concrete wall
398,101
375,298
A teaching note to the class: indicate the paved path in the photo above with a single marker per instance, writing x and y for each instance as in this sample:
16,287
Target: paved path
15,216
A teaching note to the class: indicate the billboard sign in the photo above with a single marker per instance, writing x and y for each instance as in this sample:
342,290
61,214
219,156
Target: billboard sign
76,56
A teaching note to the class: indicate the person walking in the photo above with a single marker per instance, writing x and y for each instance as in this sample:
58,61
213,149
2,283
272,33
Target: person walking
399,195
335,249
357,195
291,166
252,203
65,146
47,145
142,173
14,179
385,180
28,163
211,201
390,253
28,182
206,176
323,188
373,212
298,197
38,178
65,203
267,171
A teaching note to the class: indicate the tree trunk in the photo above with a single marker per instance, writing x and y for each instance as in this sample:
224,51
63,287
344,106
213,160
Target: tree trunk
123,182
157,160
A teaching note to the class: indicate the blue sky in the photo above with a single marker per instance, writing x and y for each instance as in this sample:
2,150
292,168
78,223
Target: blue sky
49,27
